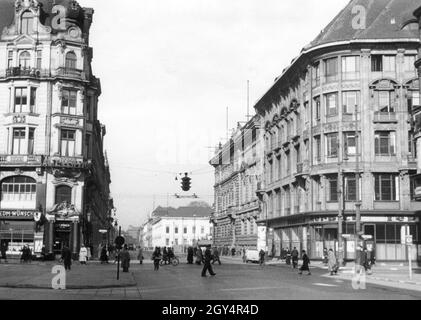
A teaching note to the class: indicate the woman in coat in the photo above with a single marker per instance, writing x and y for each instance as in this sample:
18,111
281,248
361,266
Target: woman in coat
125,259
306,262
331,262
199,256
83,255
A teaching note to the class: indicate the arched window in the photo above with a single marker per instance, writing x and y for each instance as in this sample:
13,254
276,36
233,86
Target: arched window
71,60
25,60
18,192
27,23
63,194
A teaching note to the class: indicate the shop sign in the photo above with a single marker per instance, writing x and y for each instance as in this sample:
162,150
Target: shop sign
22,214
62,227
69,122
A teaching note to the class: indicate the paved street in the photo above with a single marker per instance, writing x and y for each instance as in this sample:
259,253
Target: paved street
234,281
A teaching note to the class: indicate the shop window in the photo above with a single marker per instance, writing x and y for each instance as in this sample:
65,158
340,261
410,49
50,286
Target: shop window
63,194
380,233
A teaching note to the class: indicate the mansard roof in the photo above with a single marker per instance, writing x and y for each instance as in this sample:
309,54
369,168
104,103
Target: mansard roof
74,11
384,20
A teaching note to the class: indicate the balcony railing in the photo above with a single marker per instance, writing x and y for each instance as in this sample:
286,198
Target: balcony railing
385,117
20,72
71,73
12,160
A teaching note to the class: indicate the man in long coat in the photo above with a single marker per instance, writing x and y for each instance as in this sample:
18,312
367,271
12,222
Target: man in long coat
306,261
125,259
208,266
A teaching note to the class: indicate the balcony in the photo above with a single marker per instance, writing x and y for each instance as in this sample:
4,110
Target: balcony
385,117
71,73
66,162
19,72
20,160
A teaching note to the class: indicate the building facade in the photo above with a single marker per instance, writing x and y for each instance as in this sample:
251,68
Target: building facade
54,174
178,228
339,137
238,173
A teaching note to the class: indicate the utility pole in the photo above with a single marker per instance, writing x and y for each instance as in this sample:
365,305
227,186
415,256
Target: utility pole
341,198
357,177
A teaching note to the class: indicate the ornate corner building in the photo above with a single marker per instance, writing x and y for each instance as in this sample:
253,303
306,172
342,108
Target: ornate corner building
339,135
238,174
54,175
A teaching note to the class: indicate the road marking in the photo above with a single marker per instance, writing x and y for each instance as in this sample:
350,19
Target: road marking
324,285
249,289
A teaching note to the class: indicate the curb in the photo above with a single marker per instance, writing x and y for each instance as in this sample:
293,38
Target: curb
68,287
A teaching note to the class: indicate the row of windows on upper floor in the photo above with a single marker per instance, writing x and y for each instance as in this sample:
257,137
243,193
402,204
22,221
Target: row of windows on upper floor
385,102
385,145
16,190
24,100
25,61
185,230
386,187
23,142
351,67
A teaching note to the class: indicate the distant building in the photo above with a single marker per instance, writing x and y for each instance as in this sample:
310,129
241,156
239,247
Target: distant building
178,228
238,176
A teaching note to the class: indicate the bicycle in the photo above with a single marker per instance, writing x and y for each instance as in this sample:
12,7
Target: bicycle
174,261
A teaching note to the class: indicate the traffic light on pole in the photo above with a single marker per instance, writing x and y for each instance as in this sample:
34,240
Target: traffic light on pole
186,184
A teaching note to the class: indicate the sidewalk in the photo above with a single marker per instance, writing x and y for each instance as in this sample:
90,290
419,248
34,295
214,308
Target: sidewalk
39,275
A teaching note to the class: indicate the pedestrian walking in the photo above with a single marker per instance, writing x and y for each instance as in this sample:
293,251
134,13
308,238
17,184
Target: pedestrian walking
306,263
66,256
288,257
83,255
190,253
294,256
125,259
156,257
332,262
140,255
89,253
364,259
208,266
262,254
104,256
244,254
3,251
216,256
199,256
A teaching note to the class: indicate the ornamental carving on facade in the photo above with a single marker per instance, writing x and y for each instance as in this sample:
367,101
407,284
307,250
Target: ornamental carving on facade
64,210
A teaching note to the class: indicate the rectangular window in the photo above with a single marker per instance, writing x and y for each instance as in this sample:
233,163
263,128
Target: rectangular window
306,113
332,104
318,148
331,69
376,63
10,59
68,102
409,63
68,142
317,108
167,230
167,242
32,100
389,63
316,75
39,59
385,187
176,230
21,100
350,68
385,143
18,141
350,100
413,100
31,141
202,230
350,143
350,188
332,188
386,101
332,145
185,230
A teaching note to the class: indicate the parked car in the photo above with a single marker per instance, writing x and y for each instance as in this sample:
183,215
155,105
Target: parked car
252,256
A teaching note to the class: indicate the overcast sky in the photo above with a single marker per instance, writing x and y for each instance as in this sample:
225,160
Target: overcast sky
170,68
